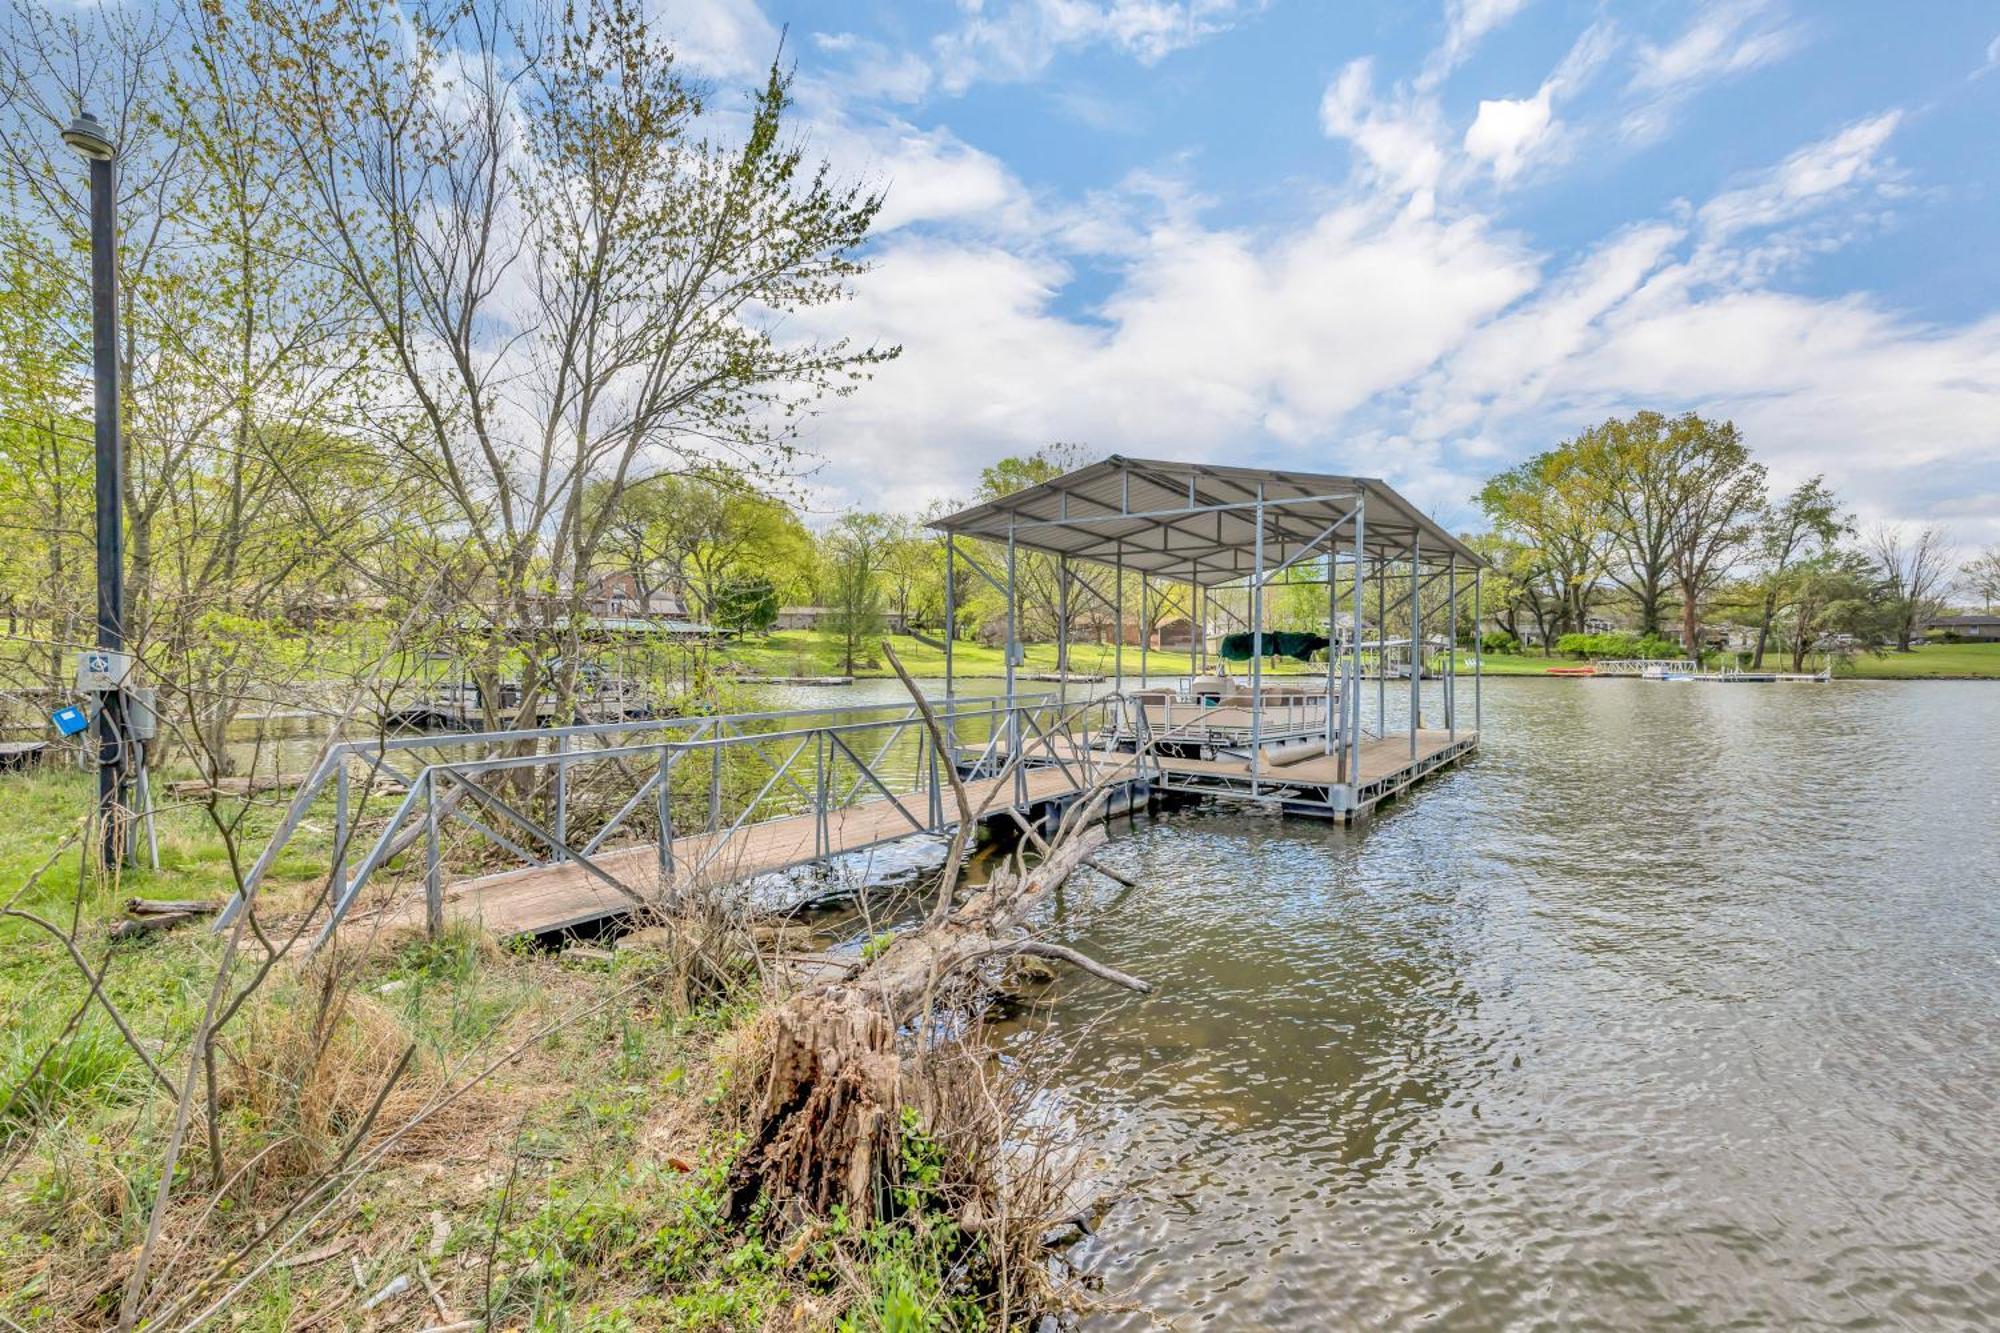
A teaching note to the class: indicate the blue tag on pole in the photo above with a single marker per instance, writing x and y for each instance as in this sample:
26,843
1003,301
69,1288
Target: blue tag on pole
70,720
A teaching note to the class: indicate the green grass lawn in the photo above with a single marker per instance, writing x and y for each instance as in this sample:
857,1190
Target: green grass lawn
1933,661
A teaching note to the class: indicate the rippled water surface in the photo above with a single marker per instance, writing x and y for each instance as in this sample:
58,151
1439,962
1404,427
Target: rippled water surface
1679,1005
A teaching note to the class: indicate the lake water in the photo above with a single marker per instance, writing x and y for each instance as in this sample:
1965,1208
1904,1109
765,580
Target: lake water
1680,1004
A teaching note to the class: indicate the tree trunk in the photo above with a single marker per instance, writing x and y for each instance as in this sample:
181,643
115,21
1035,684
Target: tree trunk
820,1129
1764,627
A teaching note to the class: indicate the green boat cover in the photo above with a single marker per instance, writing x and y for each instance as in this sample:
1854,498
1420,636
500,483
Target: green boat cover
1277,643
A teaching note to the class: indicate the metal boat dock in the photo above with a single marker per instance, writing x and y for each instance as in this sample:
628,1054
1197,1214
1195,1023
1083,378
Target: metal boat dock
550,829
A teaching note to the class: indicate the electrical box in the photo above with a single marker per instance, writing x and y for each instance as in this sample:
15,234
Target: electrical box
99,670
142,717
70,721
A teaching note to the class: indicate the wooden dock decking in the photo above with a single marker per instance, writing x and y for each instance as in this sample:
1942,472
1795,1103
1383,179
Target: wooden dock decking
538,900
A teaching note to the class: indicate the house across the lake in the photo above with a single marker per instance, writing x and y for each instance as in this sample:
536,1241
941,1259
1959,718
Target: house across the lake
1984,629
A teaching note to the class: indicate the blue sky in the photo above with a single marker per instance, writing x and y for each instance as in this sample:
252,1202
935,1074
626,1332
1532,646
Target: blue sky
1414,240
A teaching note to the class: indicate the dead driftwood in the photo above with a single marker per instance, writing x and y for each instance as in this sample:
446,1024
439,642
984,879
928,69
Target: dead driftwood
163,906
151,914
143,925
821,1122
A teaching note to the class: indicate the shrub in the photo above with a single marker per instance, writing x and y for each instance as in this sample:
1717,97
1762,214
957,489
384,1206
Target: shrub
1617,645
1499,641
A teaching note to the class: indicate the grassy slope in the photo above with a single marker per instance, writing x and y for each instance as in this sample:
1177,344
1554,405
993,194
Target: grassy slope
602,1138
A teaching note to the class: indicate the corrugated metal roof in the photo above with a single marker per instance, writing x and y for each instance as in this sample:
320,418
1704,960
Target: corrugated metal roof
1197,522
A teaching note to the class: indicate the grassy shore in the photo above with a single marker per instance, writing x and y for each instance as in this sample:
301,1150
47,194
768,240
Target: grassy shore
1933,661
579,1186
805,653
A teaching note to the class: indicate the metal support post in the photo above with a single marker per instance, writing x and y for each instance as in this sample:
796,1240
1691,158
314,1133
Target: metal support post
663,810
341,832
1416,640
1062,628
1333,653
1257,650
1118,612
88,137
1478,645
950,609
562,790
1351,704
1382,649
715,784
821,839
1013,651
1451,644
433,865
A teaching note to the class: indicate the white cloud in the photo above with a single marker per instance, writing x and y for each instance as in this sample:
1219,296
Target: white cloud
1726,38
1212,339
724,38
1466,23
1011,40
1507,131
1806,180
1397,137
875,71
934,176
1670,316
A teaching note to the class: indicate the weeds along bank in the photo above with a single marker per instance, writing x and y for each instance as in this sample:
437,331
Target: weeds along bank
422,1133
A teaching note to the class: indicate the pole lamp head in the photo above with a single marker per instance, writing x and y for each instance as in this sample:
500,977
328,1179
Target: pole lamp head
88,137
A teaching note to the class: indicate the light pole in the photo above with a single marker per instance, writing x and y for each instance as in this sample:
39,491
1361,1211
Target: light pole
87,136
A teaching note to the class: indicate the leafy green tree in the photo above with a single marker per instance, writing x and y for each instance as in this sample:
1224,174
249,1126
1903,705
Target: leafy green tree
1553,507
1837,606
1513,591
697,533
853,557
46,468
1806,521
1717,513
1635,467
746,604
